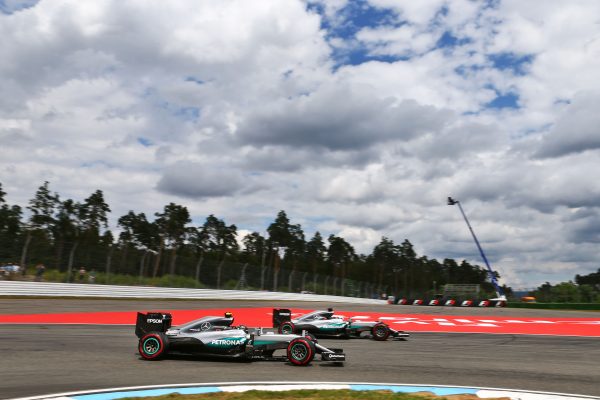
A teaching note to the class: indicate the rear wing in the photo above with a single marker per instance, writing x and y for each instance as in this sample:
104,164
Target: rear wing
281,315
152,322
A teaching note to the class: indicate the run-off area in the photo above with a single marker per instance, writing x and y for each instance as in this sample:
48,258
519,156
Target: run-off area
262,317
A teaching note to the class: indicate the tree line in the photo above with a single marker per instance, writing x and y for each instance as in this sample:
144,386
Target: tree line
65,234
585,289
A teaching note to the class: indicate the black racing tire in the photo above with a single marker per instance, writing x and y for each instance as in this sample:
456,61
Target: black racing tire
311,337
153,346
301,351
380,332
287,328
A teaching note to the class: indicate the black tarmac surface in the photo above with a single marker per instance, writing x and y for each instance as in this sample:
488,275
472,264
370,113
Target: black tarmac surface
36,360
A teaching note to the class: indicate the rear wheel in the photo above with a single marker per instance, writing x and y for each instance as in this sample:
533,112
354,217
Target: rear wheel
153,345
380,332
301,351
286,328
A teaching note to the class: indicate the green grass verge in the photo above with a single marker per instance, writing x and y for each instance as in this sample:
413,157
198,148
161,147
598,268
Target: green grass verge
307,394
556,306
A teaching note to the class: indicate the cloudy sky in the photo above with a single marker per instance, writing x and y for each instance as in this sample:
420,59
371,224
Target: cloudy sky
357,118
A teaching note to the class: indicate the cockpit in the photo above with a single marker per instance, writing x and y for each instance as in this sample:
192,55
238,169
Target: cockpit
316,316
208,323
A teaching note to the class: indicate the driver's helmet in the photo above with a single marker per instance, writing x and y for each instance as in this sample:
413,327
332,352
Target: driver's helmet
229,315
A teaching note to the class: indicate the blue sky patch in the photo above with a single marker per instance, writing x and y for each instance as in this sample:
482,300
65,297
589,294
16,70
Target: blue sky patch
357,15
448,40
518,64
144,142
12,7
508,100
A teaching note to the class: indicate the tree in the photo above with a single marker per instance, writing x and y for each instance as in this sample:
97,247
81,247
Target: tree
339,254
316,252
172,227
127,223
255,251
279,231
137,231
43,208
68,229
283,235
254,246
93,213
10,227
590,279
386,256
88,218
107,244
221,239
198,240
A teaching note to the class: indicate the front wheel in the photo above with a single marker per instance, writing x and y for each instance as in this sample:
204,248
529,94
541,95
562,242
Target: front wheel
287,328
380,332
301,351
153,345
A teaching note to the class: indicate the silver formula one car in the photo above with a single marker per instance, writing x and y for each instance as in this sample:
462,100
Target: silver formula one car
326,324
217,337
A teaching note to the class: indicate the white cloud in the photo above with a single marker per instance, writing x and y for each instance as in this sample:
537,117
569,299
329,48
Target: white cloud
576,129
239,104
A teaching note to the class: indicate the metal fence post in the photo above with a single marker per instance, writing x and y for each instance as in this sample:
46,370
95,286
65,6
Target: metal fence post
263,269
304,281
242,282
290,277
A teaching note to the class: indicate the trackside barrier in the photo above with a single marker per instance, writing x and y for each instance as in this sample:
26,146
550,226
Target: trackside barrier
48,289
452,302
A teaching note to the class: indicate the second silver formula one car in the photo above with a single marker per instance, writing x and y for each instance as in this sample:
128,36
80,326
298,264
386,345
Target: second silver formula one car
326,324
217,337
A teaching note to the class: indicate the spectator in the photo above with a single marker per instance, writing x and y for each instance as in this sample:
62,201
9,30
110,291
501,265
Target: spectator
39,272
92,276
81,274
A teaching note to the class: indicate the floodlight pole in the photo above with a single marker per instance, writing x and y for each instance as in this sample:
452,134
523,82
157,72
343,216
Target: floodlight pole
499,291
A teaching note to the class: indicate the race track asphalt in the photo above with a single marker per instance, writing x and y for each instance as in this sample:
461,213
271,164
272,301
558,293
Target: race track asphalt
42,359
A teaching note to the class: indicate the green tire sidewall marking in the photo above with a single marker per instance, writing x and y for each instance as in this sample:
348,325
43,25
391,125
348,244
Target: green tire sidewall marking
151,339
287,329
294,354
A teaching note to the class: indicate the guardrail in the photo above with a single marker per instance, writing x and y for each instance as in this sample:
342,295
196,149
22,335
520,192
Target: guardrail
48,289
